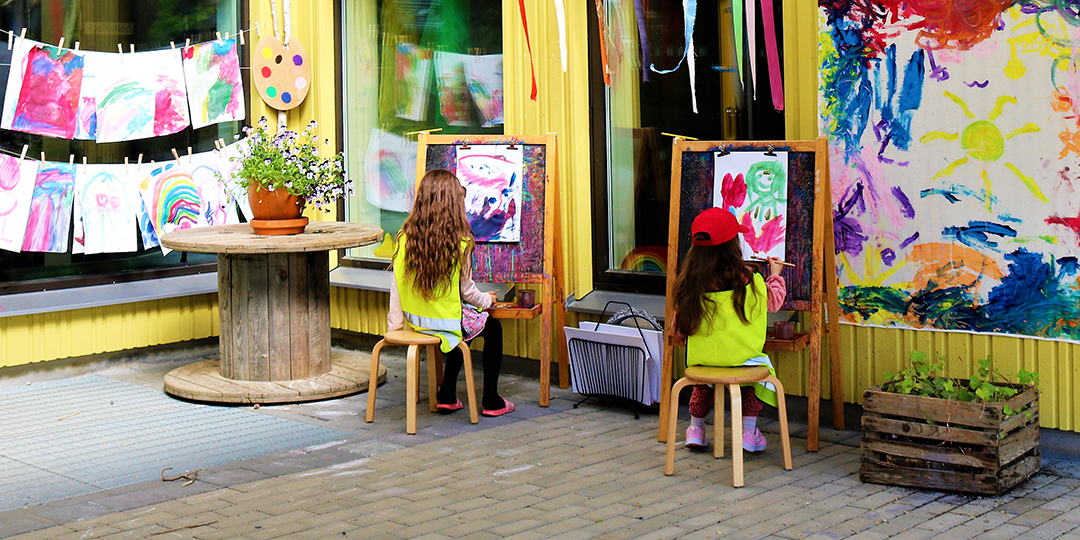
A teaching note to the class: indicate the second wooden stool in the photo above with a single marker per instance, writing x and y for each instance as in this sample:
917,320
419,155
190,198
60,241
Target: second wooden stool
415,340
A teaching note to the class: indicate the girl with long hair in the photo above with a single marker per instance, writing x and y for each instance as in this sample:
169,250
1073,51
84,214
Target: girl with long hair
720,307
433,278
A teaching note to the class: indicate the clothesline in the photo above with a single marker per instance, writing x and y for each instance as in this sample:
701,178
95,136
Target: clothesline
11,35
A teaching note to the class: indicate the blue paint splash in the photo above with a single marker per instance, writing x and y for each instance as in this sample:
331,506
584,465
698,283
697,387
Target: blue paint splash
977,234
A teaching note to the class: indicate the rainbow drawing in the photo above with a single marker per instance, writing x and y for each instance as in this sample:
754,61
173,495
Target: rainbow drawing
646,259
171,198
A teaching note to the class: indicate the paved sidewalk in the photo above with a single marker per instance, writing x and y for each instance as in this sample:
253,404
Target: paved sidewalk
559,472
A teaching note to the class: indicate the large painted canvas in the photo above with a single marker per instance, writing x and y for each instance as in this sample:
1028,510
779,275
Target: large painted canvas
412,78
20,54
49,96
954,133
109,202
171,198
484,77
215,92
16,191
753,187
216,204
390,171
455,103
491,175
140,95
49,221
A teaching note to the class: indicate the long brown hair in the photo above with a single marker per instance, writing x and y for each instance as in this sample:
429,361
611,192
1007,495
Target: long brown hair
434,232
707,269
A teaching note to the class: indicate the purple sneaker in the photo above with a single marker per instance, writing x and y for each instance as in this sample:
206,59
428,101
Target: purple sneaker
753,441
695,437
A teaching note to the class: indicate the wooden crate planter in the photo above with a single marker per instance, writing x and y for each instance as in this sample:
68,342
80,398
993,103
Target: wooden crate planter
933,443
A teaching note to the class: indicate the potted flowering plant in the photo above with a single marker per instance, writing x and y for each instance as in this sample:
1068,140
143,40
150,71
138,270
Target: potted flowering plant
283,172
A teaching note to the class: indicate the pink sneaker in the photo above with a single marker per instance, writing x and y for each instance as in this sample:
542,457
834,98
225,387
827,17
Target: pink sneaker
695,437
753,441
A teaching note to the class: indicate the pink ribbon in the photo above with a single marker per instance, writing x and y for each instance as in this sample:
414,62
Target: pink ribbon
532,68
775,82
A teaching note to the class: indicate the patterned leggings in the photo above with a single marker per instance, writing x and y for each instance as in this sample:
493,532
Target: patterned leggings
701,401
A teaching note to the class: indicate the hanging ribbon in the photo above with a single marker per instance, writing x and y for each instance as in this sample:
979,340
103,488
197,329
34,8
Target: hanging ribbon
689,14
739,22
751,38
690,64
560,18
532,68
643,37
775,84
603,42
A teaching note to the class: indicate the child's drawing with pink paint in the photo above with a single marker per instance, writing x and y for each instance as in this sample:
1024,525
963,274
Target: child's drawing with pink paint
753,186
214,90
140,95
16,191
49,98
50,209
492,178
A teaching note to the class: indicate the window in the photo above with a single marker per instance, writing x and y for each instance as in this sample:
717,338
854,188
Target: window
99,26
631,156
412,65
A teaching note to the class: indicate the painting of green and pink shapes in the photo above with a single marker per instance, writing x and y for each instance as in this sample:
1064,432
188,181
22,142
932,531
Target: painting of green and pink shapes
753,187
212,73
954,140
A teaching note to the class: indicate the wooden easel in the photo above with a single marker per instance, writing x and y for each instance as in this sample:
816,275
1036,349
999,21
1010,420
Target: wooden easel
538,257
808,181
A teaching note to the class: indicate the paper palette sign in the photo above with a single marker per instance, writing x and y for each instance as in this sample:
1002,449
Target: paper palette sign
492,176
753,186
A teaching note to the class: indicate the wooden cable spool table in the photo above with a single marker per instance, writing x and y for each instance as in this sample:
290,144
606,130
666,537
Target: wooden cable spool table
274,307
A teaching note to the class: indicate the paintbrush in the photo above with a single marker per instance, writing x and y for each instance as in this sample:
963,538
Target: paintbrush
767,260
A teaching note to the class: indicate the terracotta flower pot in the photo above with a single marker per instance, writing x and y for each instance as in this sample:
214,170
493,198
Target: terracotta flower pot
275,212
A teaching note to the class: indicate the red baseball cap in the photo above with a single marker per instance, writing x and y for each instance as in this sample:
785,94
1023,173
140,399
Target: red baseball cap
720,225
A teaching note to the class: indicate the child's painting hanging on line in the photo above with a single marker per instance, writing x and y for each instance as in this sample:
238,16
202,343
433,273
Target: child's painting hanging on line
753,186
16,191
492,178
49,97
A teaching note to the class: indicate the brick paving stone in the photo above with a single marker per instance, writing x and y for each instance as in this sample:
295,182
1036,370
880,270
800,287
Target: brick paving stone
1033,517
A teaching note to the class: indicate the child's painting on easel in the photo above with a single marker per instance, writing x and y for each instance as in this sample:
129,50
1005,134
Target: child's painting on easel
753,187
491,175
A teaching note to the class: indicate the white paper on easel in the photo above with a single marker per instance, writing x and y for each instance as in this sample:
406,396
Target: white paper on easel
753,187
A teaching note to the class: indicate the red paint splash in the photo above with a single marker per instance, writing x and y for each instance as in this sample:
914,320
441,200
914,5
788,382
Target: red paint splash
956,24
772,233
733,191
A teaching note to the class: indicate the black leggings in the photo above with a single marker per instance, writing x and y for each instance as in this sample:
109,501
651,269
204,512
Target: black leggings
493,347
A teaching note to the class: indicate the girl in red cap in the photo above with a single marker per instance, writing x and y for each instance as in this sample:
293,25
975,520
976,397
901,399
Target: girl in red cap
720,306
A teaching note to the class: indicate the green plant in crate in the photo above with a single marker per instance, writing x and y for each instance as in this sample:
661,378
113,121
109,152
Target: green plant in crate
925,378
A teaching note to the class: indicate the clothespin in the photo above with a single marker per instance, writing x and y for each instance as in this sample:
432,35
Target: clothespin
769,151
172,44
187,43
217,144
218,34
226,35
258,32
722,150
120,48
76,45
84,164
241,34
10,39
71,161
22,36
138,165
512,147
189,154
61,44
42,155
175,155
22,156
126,163
133,48
465,145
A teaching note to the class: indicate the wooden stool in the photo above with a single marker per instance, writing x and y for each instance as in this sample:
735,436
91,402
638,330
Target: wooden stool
731,378
415,340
